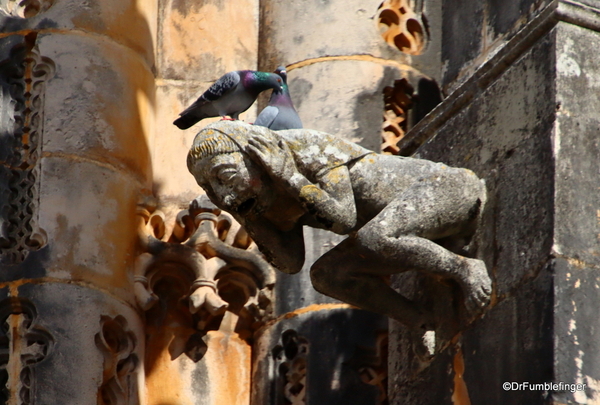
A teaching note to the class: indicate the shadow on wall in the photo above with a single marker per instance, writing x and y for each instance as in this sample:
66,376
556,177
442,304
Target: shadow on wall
336,356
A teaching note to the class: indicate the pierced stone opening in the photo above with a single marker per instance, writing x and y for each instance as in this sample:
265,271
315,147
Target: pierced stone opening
291,361
400,27
398,100
404,107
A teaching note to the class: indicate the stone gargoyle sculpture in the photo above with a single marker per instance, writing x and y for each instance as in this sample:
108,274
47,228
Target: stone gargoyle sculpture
392,209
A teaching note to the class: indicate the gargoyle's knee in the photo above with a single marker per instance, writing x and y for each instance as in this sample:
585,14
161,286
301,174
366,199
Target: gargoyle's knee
322,277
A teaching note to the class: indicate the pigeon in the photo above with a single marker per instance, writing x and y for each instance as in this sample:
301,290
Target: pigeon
231,95
280,113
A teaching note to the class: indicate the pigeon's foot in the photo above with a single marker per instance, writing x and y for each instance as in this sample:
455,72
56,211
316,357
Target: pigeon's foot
228,119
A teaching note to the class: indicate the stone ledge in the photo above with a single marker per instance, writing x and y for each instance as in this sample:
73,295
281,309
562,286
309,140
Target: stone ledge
559,10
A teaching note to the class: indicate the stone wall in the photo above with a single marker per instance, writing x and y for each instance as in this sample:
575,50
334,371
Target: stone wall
520,123
76,89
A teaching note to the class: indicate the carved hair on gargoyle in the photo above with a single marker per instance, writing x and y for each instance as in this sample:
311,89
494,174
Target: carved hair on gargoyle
226,172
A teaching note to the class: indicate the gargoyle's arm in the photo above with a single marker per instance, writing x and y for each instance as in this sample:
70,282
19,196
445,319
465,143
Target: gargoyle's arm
330,202
284,250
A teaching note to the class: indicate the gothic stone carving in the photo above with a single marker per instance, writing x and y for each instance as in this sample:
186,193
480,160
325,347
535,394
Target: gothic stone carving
24,8
117,344
400,26
222,268
23,344
392,209
22,83
291,358
371,365
397,100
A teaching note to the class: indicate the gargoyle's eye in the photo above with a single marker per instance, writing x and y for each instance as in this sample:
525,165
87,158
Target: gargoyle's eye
227,174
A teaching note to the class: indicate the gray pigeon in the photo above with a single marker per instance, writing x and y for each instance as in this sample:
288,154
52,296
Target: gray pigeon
231,95
280,113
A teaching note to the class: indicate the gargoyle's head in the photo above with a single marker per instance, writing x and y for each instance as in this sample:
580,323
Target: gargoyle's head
224,170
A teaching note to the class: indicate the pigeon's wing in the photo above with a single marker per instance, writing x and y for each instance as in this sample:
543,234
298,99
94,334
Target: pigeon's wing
267,116
286,119
221,88
224,85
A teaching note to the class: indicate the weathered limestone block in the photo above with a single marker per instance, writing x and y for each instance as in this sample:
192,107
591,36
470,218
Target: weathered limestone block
65,343
128,22
78,111
527,123
101,105
85,173
220,377
358,90
405,32
576,145
576,225
90,225
191,31
472,31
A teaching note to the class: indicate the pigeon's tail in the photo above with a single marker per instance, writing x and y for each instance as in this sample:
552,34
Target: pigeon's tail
185,121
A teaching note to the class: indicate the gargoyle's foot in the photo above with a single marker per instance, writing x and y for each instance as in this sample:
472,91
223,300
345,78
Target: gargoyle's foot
425,344
477,287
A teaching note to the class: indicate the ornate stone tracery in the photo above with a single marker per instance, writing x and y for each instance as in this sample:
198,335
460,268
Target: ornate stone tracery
291,357
117,343
371,365
398,100
214,258
23,344
400,26
22,79
25,8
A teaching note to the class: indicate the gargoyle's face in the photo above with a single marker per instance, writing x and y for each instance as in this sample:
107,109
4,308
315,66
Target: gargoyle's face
232,181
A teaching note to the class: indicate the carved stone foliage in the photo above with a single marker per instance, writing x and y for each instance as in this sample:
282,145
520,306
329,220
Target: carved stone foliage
117,344
291,357
23,344
371,365
400,26
23,79
24,8
398,100
212,260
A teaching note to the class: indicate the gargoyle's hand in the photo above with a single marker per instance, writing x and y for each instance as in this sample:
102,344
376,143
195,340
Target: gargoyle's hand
275,157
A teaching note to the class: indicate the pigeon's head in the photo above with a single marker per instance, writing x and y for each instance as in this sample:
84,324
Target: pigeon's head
231,179
281,71
262,81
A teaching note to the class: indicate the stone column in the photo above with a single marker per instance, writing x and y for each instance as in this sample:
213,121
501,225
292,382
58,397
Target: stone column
76,88
526,121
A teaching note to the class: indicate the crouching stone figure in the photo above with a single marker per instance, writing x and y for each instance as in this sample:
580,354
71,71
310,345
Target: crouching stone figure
392,209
